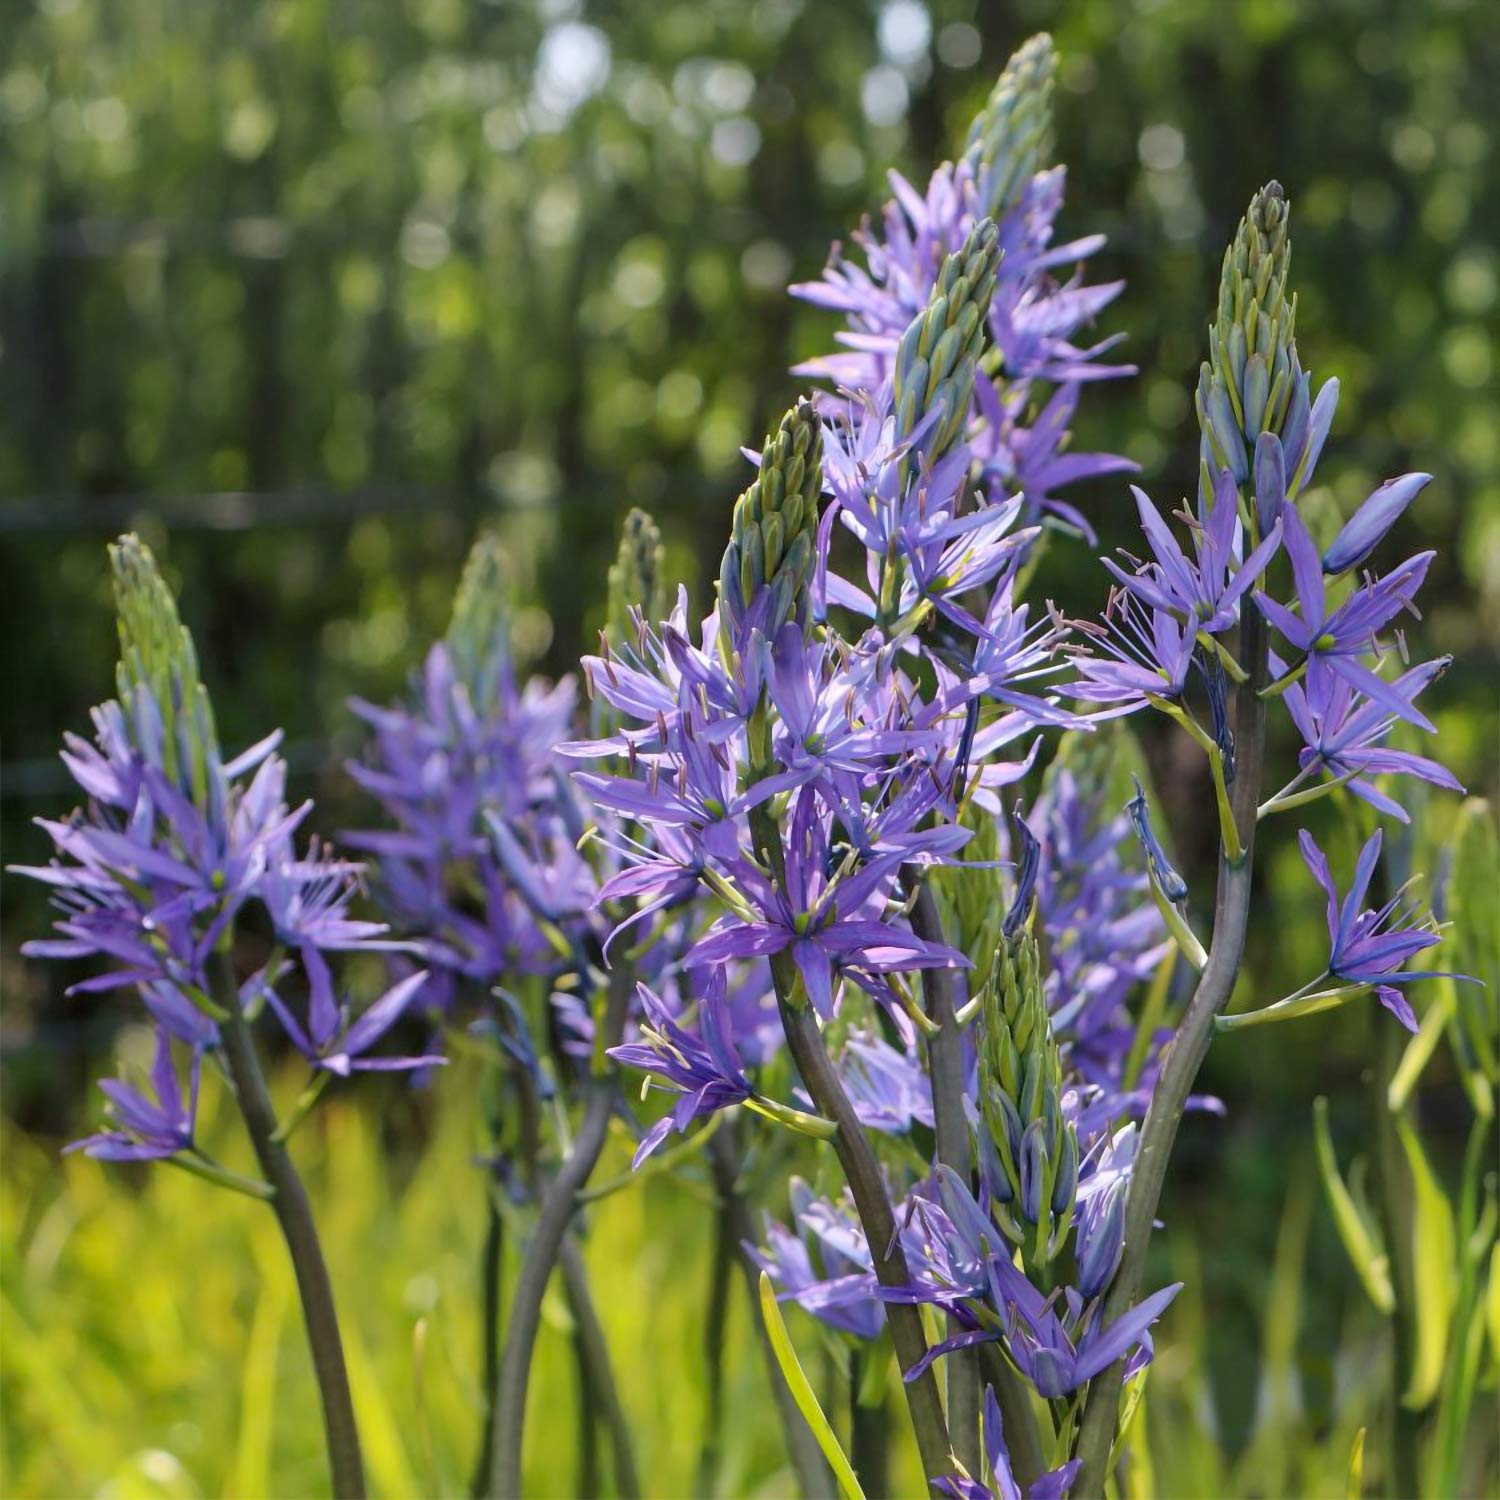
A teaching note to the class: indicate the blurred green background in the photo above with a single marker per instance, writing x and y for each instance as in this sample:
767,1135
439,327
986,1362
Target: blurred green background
307,292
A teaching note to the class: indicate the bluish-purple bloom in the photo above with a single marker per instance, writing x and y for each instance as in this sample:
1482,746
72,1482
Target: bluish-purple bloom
1334,641
145,1128
332,1041
1053,1485
1344,733
1204,591
704,1069
1370,946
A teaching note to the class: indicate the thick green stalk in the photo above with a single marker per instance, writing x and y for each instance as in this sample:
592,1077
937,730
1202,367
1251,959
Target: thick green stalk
1185,1054
597,1384
294,1214
491,1260
866,1185
945,1054
869,1428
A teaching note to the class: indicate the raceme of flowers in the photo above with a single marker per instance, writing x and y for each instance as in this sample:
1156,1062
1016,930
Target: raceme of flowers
781,866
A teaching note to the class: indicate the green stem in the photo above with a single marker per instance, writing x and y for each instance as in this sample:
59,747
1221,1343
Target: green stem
945,1052
597,1383
1468,1332
1185,1055
558,1206
294,1214
869,1429
1022,1434
491,1263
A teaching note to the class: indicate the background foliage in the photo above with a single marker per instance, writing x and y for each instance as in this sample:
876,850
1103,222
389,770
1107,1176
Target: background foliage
309,290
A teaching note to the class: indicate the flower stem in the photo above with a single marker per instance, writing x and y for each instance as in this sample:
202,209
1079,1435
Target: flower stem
294,1213
491,1262
597,1379
558,1206
1185,1054
945,1053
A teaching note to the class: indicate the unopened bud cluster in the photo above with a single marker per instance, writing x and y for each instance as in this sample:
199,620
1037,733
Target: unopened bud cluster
938,353
157,675
1011,137
775,529
1020,1078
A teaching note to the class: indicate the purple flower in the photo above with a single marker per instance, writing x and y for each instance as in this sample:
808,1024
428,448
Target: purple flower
1053,1485
1370,946
888,1089
1204,592
824,1266
1334,641
965,1266
829,919
332,1042
1035,461
703,1069
1344,732
1366,528
1147,654
146,1128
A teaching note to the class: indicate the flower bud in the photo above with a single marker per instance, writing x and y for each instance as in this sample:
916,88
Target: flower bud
637,578
1101,1240
1011,137
1247,385
1032,1160
937,355
158,680
774,533
477,638
1368,525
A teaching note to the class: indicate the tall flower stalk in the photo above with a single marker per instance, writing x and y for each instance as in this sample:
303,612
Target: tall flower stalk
174,847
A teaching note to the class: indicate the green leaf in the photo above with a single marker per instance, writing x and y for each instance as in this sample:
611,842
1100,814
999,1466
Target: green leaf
1420,1048
1474,947
1433,1271
802,1392
1360,1238
1356,1481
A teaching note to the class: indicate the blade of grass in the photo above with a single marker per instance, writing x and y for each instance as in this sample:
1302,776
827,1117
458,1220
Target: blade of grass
802,1392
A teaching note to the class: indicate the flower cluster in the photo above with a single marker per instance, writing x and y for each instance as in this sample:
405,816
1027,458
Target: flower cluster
172,848
1031,317
465,772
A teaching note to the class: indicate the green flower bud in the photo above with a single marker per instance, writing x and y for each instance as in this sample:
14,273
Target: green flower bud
637,578
1011,137
940,349
1020,1091
477,631
775,529
157,657
1247,384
